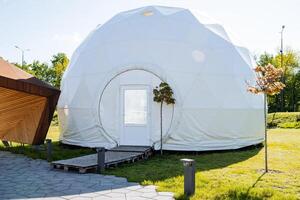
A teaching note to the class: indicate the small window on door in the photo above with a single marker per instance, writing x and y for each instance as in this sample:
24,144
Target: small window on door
135,107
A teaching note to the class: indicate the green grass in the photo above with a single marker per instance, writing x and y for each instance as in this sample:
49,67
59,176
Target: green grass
53,133
59,152
220,175
228,174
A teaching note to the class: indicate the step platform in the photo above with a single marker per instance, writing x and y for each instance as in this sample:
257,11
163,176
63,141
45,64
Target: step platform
113,157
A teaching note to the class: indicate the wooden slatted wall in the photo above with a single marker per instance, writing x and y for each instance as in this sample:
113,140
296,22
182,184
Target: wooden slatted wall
20,115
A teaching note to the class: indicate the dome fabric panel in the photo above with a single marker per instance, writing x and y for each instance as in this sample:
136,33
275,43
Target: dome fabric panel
195,55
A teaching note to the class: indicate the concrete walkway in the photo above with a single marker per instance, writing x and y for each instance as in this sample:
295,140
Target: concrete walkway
25,178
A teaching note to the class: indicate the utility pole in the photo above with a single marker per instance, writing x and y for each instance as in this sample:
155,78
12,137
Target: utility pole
281,65
23,51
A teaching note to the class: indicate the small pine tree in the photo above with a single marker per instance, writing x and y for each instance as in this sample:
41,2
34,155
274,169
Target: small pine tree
163,93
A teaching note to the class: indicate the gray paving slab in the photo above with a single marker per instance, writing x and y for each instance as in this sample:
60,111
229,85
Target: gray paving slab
25,178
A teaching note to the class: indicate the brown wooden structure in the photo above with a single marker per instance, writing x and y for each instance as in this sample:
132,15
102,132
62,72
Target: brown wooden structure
27,105
112,158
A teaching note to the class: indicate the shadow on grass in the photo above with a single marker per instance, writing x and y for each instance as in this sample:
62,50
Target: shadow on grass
59,151
169,166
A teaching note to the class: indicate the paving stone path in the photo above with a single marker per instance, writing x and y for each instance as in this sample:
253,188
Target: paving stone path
25,178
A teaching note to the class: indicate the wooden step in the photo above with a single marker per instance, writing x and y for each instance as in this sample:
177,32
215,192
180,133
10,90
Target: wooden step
113,158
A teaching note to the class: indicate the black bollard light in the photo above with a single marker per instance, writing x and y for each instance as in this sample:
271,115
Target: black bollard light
100,159
189,176
49,150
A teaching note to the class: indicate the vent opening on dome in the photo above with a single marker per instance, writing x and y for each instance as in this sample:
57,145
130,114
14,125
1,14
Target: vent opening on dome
148,13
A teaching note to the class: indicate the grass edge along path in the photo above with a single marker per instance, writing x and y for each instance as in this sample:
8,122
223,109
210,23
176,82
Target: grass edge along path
59,151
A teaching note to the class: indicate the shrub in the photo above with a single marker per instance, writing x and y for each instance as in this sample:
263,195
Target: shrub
289,125
284,120
55,119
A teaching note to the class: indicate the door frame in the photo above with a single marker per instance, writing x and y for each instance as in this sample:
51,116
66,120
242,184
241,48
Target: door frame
122,112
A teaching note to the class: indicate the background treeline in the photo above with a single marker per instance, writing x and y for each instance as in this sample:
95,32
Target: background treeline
51,73
287,101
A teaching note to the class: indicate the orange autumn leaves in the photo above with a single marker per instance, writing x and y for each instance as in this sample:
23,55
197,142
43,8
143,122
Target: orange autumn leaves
267,80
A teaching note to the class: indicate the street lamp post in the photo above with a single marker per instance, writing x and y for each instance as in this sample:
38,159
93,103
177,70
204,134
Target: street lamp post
23,51
281,64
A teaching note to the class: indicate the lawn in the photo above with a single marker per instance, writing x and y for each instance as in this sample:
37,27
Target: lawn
220,175
59,151
228,174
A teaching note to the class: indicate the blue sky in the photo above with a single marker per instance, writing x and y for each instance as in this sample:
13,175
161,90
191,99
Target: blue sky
50,26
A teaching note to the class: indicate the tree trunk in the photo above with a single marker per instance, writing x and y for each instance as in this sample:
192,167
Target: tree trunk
161,129
294,94
266,135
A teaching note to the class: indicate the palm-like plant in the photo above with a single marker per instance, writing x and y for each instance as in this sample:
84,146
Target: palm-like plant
163,94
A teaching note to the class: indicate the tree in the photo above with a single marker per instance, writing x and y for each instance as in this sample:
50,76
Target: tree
268,83
289,61
163,94
42,71
288,99
295,90
265,59
24,67
51,74
59,63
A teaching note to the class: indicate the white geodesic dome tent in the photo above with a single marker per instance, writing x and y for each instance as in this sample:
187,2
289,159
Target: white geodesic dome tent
107,97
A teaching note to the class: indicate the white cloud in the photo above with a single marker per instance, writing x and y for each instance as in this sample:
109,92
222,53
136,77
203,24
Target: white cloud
73,38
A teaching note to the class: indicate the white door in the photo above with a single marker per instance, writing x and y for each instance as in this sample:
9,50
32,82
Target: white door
135,115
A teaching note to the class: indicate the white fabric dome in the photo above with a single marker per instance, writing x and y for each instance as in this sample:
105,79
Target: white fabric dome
107,98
